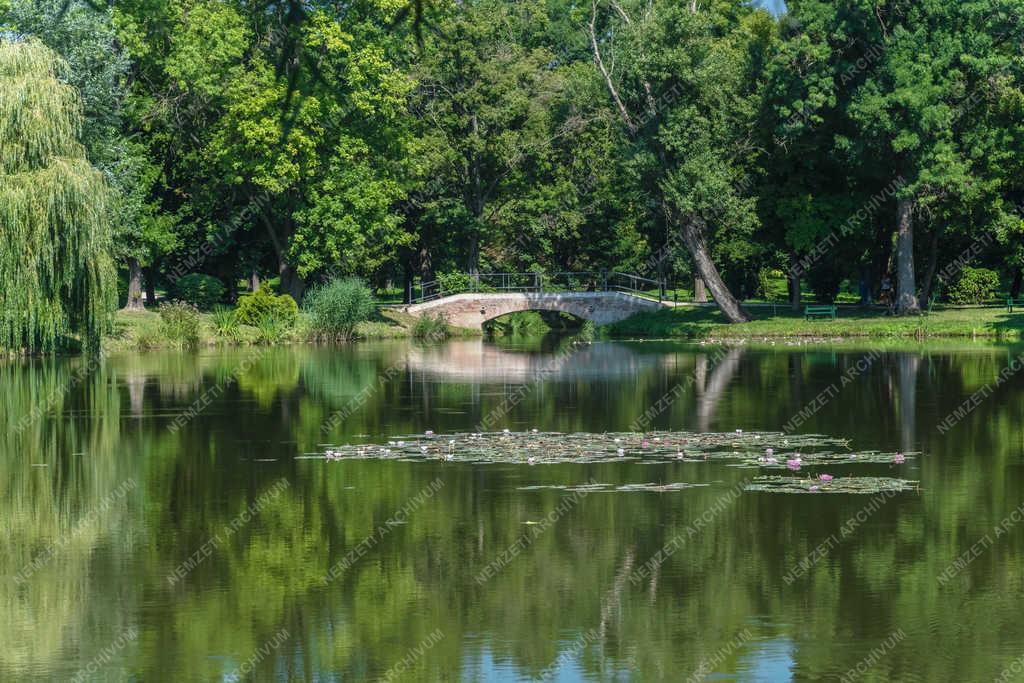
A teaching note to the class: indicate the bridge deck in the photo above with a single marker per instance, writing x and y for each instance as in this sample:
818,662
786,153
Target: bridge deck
472,309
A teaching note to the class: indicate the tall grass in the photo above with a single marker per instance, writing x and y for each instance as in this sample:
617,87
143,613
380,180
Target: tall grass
272,329
334,309
179,324
432,328
225,323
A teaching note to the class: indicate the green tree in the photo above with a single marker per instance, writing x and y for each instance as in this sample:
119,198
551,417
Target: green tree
56,232
98,67
490,109
919,103
687,96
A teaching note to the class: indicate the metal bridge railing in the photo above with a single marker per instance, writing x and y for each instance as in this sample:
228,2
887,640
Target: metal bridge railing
569,281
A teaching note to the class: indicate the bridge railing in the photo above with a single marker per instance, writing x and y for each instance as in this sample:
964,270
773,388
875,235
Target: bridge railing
567,281
638,286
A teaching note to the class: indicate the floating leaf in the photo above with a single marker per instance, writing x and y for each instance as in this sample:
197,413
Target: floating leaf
860,485
583,447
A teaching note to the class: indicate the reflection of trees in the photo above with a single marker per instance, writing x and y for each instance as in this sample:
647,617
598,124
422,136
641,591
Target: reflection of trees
908,364
59,471
710,393
574,577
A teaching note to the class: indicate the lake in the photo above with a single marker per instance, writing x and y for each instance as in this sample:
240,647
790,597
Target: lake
170,517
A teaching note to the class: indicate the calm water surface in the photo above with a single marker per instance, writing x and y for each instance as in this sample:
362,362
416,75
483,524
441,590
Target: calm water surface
160,522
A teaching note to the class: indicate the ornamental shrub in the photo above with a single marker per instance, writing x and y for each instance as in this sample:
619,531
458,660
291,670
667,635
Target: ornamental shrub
254,307
975,286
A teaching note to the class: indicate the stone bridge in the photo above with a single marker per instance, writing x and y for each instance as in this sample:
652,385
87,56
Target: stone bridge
472,309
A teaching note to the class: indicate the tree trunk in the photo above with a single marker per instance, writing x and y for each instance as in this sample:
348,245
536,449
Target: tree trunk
793,286
906,294
254,281
426,265
881,260
134,302
409,278
150,278
291,283
1015,287
700,293
727,303
475,202
231,286
929,273
474,254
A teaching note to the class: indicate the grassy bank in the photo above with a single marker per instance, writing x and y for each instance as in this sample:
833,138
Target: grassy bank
852,323
142,331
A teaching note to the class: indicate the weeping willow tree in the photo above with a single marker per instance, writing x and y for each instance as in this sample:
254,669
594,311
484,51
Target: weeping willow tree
56,274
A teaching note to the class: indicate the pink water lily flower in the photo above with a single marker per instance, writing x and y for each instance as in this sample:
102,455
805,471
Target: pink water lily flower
793,464
814,488
899,458
826,477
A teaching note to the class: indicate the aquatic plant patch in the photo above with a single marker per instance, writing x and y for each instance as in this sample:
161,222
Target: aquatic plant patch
647,487
537,448
859,485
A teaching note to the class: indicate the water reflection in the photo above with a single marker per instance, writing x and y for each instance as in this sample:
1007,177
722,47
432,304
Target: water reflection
568,601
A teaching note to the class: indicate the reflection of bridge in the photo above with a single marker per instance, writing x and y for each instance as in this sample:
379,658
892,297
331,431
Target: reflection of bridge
476,361
471,300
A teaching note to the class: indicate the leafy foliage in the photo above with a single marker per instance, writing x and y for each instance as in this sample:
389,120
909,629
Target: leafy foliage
203,291
974,286
668,139
179,324
54,223
255,306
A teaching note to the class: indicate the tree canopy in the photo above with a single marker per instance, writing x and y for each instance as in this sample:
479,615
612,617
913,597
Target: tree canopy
56,241
703,143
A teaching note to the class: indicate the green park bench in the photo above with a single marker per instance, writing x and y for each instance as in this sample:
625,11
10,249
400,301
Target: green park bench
811,311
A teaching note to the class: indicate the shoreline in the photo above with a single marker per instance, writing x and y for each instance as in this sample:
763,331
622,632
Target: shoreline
698,324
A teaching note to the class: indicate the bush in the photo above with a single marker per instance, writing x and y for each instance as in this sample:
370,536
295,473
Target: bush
179,324
976,285
336,308
202,291
431,328
254,307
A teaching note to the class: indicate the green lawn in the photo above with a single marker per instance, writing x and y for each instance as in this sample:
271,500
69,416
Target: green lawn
853,322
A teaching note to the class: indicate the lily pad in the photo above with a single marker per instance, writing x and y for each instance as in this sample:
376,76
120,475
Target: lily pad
860,485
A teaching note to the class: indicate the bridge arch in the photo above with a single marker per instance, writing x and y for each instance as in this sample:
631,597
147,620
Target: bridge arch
472,309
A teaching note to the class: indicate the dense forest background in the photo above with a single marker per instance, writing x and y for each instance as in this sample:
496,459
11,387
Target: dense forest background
702,141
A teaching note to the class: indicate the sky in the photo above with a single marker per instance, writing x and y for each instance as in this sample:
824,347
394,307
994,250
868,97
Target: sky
776,7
